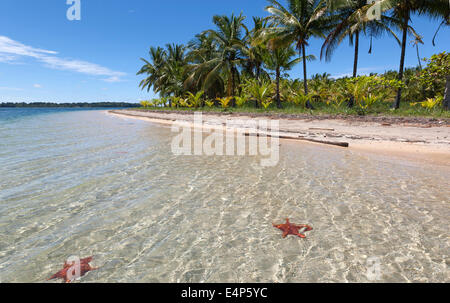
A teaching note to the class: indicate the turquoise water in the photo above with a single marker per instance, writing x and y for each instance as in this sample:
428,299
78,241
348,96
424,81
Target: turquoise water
82,183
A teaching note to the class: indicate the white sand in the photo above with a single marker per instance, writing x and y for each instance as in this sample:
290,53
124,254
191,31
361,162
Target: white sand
416,143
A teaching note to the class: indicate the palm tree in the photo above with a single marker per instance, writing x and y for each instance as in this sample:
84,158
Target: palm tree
173,71
254,53
278,60
445,21
166,71
352,24
296,25
446,102
153,68
203,49
415,43
228,40
402,11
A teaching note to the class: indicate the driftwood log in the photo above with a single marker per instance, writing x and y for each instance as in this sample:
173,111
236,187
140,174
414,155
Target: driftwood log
340,144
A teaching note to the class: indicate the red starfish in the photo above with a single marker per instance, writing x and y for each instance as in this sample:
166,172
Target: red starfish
292,229
84,268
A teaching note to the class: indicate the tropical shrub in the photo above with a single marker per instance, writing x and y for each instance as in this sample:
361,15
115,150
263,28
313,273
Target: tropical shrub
195,100
301,99
240,101
368,101
367,90
209,103
176,102
266,103
430,103
261,92
146,104
225,102
433,77
184,102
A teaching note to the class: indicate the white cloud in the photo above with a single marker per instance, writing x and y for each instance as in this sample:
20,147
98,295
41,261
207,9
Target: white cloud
37,85
10,88
11,51
112,79
10,46
4,58
363,71
341,75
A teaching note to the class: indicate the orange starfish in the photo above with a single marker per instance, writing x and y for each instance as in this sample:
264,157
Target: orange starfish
84,268
292,229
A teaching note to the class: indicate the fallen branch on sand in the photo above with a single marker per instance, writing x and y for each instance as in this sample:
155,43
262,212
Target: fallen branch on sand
299,138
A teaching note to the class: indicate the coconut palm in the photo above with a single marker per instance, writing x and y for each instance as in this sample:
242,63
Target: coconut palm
228,40
172,73
415,43
165,71
152,68
352,24
280,60
203,50
254,53
296,24
402,10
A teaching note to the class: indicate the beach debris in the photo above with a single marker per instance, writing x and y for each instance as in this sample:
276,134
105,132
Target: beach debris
292,229
322,129
65,274
301,138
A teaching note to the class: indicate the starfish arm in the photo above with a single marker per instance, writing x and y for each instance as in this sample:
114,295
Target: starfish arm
301,235
308,228
86,260
58,275
285,234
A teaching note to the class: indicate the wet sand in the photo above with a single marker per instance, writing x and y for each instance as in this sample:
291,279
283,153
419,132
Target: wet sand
415,139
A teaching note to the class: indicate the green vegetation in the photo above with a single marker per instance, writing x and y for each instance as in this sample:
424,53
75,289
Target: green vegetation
380,109
86,105
234,68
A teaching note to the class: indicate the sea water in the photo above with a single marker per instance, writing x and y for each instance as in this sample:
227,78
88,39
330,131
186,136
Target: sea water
82,183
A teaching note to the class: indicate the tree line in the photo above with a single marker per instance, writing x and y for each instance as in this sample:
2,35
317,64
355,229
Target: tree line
232,61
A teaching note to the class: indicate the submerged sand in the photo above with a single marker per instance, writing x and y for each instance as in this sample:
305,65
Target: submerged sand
416,139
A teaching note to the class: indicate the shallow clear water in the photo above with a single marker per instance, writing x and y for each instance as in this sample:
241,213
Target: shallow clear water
86,183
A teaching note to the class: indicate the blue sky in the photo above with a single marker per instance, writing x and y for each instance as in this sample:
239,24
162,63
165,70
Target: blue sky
46,57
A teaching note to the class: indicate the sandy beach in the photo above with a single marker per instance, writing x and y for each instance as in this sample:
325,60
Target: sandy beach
415,139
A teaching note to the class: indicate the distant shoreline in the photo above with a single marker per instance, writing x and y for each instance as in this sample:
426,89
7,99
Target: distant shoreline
69,105
418,139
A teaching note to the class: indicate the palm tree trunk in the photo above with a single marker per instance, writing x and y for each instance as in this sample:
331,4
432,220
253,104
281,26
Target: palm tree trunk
447,94
278,87
402,61
351,102
305,77
229,85
418,56
233,103
355,63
